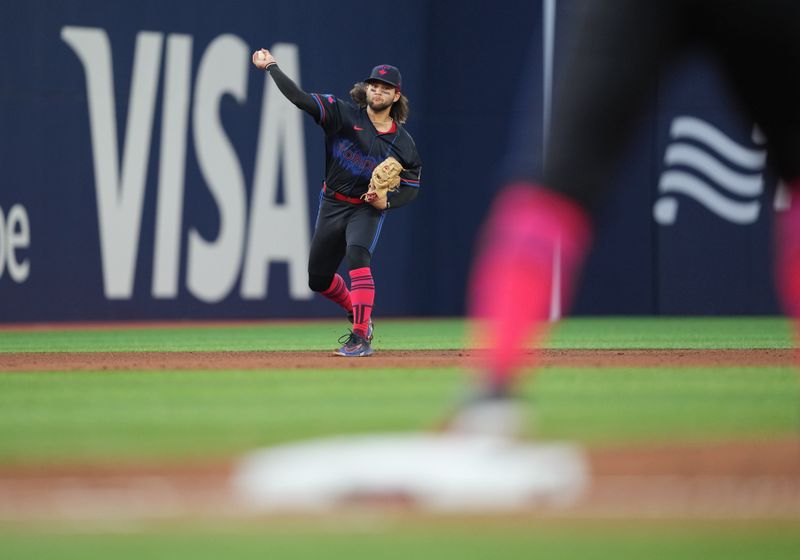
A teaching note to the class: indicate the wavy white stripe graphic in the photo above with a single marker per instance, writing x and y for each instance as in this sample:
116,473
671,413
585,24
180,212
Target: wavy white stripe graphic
665,209
685,127
737,183
708,175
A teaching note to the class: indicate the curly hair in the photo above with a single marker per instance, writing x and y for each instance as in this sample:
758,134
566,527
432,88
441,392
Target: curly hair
399,110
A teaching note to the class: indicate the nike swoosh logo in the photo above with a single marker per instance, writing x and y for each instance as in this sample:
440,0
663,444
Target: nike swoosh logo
357,128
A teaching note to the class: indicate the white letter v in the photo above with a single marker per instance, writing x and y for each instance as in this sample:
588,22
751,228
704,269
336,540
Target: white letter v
119,195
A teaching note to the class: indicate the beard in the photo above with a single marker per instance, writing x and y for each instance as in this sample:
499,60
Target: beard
377,106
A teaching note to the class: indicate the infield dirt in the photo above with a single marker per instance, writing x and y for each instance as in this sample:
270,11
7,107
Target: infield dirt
75,361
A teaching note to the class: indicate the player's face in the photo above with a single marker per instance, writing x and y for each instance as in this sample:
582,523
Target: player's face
381,96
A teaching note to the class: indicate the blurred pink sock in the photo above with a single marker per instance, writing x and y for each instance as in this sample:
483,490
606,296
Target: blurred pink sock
512,278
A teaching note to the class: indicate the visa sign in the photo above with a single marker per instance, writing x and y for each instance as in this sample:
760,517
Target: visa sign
250,237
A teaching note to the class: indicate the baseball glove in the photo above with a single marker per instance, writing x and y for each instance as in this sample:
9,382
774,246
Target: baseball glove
385,178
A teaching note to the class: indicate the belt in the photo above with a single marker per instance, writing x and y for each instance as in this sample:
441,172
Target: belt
343,198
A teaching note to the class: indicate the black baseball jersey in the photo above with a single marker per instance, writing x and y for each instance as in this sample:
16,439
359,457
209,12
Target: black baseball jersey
353,147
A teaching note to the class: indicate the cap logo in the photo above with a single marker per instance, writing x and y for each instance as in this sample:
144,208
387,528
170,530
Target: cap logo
382,71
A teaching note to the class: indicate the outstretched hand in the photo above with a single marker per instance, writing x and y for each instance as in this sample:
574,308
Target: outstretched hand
263,58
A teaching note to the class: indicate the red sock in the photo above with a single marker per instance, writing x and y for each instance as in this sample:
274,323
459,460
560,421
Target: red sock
338,293
512,278
787,257
362,294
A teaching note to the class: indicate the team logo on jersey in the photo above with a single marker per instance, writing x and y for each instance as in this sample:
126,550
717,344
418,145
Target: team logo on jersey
331,99
350,157
705,164
358,128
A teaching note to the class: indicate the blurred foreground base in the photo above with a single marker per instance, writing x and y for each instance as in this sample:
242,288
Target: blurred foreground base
729,480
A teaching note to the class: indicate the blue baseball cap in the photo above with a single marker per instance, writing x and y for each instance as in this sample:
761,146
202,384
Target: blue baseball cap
386,74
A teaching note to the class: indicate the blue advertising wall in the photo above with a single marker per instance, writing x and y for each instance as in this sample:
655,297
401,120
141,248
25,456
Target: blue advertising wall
150,172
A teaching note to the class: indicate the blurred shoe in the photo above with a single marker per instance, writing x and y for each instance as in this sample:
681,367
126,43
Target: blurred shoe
370,327
488,413
354,346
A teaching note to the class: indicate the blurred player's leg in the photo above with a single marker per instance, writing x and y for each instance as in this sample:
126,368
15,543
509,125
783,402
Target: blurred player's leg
787,260
787,236
510,294
594,113
512,277
595,110
763,71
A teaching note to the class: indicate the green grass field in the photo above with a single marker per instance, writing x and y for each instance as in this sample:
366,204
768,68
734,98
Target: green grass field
106,416
389,540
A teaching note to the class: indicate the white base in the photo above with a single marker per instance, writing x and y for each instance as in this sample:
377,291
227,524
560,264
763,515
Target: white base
441,472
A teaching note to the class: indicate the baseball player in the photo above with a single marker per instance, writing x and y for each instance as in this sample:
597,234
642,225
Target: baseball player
620,46
359,136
